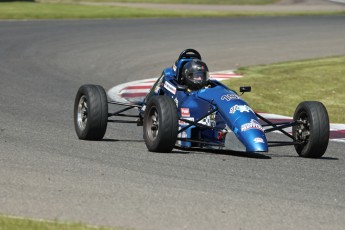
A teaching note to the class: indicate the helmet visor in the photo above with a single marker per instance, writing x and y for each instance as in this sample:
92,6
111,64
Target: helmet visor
199,76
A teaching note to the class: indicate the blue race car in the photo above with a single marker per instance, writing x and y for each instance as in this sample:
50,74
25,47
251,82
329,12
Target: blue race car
186,109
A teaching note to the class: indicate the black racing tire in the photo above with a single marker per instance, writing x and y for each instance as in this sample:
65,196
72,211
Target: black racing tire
313,130
160,124
91,112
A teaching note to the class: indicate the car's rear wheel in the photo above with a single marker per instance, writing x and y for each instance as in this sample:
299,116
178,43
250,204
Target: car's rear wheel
312,130
91,112
160,124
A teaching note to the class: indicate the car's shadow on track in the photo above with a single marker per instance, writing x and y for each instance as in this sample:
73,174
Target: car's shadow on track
296,156
118,140
329,158
241,154
267,156
227,152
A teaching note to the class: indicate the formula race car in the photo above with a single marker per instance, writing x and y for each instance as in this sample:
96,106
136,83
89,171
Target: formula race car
186,109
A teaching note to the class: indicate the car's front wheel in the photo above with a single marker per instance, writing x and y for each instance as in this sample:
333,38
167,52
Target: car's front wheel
312,130
91,112
160,124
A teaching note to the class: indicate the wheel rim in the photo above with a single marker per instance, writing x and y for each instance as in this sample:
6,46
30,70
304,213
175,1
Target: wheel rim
303,127
152,124
82,112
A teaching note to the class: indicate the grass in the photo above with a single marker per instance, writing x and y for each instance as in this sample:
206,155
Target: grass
12,223
25,10
278,88
214,2
31,10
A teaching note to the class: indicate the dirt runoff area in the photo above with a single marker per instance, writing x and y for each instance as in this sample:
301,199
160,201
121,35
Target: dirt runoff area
281,6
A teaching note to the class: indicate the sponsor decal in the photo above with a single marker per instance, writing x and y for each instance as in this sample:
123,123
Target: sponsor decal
185,112
183,135
221,136
241,108
259,140
157,88
229,97
174,67
159,84
186,118
170,87
253,124
176,102
210,120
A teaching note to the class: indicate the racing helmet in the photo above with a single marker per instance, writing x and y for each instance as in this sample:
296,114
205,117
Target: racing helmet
195,74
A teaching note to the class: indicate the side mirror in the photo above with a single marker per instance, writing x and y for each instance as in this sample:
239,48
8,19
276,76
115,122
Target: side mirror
245,89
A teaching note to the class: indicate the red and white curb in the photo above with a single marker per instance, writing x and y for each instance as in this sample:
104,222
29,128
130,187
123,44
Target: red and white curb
135,91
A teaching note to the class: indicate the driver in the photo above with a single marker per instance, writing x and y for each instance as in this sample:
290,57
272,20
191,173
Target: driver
195,74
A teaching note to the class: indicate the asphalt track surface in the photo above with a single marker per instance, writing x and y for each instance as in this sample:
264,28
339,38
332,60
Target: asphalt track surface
46,172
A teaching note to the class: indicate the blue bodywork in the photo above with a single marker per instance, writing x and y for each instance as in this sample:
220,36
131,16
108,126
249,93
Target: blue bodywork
227,122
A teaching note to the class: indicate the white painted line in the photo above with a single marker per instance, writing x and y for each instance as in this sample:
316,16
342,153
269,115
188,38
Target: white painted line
274,116
341,140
